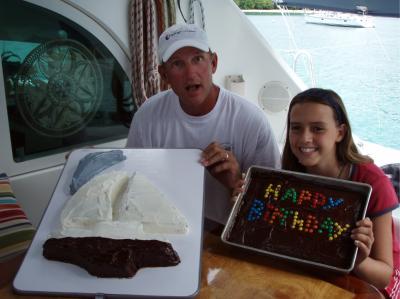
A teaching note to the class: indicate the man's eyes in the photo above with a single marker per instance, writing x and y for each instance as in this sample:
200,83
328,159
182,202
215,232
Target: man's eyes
180,63
198,58
294,128
177,63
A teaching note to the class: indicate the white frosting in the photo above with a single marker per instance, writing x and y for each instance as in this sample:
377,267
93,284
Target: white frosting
94,201
144,203
115,205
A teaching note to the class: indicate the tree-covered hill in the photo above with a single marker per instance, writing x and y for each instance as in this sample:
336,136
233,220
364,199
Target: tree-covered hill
255,4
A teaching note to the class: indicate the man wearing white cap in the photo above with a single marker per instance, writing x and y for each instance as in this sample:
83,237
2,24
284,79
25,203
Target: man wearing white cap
196,113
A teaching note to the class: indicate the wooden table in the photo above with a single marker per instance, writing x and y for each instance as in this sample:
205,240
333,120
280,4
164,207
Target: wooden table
229,272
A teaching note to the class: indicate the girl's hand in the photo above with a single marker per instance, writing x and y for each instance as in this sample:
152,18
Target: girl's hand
363,237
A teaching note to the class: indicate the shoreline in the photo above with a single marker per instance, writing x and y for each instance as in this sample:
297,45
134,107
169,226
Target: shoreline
271,11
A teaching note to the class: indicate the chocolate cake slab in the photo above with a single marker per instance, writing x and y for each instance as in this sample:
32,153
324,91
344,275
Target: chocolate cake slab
299,217
105,257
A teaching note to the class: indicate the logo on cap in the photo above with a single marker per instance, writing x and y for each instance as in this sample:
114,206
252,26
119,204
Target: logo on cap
168,36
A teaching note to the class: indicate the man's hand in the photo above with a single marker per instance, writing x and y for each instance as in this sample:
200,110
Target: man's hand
222,164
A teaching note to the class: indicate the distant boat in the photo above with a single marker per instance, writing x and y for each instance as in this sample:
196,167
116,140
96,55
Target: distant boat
334,18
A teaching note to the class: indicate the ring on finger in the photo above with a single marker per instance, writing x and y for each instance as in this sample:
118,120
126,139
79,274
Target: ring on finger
227,156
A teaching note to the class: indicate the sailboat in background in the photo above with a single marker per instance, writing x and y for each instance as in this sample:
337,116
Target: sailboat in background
343,19
387,8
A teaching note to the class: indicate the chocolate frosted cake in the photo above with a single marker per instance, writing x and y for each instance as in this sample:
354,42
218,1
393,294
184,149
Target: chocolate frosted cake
104,257
300,217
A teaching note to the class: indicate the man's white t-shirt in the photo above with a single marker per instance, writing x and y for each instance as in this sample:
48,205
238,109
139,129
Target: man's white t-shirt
234,122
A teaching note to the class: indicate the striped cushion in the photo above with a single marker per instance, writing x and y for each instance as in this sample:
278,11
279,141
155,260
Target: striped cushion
16,232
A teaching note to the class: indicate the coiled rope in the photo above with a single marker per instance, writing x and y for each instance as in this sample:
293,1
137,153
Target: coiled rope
166,14
153,78
148,19
145,78
166,18
191,19
170,12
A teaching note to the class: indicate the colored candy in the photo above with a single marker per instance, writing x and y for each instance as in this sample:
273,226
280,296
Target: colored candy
270,209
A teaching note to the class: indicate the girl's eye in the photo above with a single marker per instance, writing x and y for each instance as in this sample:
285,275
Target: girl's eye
318,129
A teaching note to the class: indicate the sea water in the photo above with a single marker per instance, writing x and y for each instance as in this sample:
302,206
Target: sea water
361,64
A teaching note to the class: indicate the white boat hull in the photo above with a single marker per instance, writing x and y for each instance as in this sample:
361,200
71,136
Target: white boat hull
340,19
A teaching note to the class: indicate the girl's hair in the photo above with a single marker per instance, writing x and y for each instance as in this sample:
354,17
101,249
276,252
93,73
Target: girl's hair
346,150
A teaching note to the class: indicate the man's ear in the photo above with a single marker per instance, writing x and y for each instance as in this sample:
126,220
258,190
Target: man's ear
162,72
214,62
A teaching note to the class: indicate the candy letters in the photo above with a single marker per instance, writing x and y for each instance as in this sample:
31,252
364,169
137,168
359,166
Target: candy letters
270,209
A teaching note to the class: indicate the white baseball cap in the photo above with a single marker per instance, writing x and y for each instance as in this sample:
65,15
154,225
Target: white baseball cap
179,36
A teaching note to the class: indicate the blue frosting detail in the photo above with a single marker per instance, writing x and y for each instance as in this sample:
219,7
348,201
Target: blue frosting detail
92,164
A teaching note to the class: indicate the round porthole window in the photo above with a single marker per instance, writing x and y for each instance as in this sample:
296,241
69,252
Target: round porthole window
59,88
274,96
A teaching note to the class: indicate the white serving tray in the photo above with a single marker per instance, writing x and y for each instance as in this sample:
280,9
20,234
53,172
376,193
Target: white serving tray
179,175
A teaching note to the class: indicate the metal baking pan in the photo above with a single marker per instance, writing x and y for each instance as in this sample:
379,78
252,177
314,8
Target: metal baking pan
299,217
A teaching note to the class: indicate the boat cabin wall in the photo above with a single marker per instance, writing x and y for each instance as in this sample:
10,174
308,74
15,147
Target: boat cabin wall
241,49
